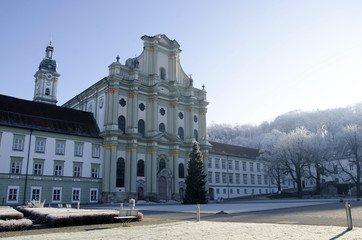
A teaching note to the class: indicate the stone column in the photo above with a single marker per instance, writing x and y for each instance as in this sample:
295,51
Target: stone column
111,116
109,169
113,172
189,125
172,66
175,176
172,119
151,178
202,126
106,167
132,113
152,117
131,155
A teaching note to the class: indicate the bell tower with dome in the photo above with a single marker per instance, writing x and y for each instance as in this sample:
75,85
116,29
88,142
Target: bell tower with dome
46,78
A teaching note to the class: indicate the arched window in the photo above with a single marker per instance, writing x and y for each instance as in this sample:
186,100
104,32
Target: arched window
141,127
162,73
181,170
122,123
141,168
120,172
161,164
47,91
161,127
181,132
196,135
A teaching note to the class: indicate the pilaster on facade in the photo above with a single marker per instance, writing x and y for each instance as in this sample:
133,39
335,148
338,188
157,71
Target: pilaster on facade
132,113
189,127
152,116
172,118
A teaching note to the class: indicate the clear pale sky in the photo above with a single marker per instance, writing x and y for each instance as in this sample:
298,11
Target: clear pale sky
258,59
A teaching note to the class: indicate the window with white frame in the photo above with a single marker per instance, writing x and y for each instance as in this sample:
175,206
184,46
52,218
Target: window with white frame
217,191
237,167
96,150
251,167
223,163
77,169
223,177
252,178
231,178
95,171
259,179
93,195
265,179
217,177
258,168
78,149
245,178
209,163
217,163
75,194
18,142
38,166
237,178
238,191
245,191
35,193
224,191
13,194
57,194
230,164
209,177
40,145
15,165
244,166
58,168
60,147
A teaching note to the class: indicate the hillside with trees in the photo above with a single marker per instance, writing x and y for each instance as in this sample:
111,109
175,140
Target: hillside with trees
304,144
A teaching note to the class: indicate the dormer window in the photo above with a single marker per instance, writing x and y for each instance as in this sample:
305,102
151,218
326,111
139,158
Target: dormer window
162,73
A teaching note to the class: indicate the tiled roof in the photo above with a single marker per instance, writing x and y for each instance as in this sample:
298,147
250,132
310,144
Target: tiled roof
26,114
233,150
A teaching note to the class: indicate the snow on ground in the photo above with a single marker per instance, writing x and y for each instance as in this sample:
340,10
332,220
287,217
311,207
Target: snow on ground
209,230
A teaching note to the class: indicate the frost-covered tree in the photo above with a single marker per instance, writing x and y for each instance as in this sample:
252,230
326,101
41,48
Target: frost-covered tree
271,155
196,178
351,149
292,150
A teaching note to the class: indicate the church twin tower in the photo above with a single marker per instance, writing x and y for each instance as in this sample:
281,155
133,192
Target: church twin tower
46,78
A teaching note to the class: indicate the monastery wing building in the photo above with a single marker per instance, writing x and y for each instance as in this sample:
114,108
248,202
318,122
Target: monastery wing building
149,114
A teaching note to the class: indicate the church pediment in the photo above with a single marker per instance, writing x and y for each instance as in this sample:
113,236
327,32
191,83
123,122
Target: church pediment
168,138
166,89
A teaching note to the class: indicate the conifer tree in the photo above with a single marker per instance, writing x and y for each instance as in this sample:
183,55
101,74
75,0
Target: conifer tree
196,178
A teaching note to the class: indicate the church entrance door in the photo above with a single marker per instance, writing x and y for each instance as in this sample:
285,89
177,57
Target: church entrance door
162,188
140,193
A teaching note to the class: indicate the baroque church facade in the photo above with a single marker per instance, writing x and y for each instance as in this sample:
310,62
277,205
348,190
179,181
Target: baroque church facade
129,135
149,114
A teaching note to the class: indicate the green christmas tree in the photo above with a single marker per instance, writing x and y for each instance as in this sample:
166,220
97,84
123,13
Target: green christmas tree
196,178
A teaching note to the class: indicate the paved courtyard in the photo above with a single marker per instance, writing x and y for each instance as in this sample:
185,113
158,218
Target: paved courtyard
258,219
